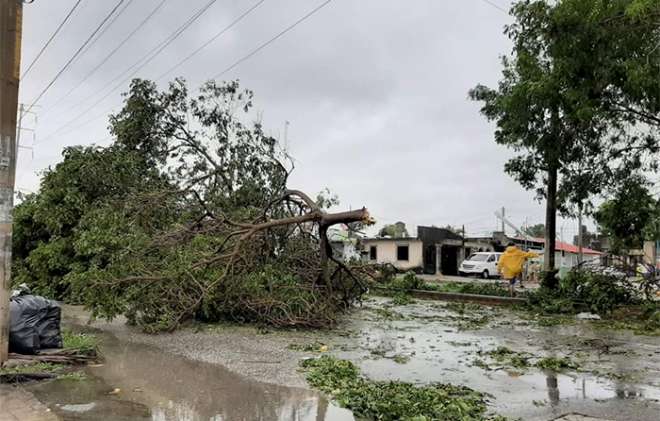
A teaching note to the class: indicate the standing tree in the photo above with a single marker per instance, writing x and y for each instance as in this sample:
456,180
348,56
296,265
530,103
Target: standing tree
537,230
579,99
629,217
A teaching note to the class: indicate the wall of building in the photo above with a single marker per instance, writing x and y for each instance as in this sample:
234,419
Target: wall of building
386,252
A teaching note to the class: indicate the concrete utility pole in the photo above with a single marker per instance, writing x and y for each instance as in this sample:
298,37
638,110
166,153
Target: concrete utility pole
503,216
11,19
580,255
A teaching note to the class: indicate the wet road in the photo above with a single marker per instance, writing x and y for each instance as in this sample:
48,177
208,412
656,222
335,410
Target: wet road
619,375
139,382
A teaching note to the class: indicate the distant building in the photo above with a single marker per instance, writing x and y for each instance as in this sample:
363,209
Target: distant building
433,251
404,253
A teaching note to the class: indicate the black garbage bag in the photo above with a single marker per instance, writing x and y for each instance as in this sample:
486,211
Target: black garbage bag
34,324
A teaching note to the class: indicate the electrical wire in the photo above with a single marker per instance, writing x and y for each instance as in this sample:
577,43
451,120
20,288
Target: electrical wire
250,54
213,38
108,56
106,27
52,37
495,5
138,65
273,39
68,63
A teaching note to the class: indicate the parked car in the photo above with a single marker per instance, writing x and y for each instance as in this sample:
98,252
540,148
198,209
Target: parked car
482,263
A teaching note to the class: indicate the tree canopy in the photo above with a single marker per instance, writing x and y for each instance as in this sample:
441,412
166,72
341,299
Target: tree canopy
579,99
536,230
396,230
187,214
630,217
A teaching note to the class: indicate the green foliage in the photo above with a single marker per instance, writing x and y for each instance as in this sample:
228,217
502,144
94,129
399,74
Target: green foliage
409,281
32,368
315,346
49,225
521,361
504,355
477,288
82,343
616,298
556,364
630,217
579,94
154,226
374,400
537,230
401,299
396,230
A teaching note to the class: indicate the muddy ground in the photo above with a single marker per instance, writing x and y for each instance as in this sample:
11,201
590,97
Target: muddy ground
617,374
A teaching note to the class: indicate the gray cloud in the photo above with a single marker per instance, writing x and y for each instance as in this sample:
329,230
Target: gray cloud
376,93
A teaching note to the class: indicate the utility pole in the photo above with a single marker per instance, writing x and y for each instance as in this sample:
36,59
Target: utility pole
580,255
19,128
503,216
11,20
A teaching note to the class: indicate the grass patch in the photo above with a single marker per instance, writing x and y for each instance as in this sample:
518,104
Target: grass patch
84,343
32,368
477,288
389,401
73,375
410,281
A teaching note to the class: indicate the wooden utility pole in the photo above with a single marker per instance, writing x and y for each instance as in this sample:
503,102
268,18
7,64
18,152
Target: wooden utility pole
11,17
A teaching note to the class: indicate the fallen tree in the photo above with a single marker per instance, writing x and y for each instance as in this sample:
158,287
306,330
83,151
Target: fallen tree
201,224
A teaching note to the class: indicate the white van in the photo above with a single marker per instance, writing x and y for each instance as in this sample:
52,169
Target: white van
483,263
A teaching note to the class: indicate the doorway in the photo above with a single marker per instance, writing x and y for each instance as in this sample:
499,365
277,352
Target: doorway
449,260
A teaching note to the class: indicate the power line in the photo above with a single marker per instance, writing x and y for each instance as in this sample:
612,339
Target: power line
273,39
109,56
140,64
52,37
213,38
108,26
497,6
68,63
252,53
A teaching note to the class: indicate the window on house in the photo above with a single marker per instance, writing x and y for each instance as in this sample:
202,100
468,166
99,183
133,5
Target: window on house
373,253
401,252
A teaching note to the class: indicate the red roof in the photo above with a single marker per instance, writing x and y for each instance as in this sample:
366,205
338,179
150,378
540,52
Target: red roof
566,247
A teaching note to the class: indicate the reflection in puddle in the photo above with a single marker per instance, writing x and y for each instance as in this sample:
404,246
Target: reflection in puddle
82,407
137,382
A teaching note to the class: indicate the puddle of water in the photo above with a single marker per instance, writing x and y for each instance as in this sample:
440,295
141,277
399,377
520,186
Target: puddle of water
138,382
436,350
82,407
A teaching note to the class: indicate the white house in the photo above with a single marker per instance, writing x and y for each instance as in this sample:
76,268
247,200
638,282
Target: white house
404,253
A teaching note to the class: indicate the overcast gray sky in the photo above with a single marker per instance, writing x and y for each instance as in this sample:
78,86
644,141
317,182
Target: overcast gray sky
375,92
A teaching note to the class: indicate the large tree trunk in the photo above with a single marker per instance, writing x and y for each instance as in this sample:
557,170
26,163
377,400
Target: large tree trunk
550,229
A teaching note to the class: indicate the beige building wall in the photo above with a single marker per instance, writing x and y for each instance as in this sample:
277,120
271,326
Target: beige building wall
386,252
